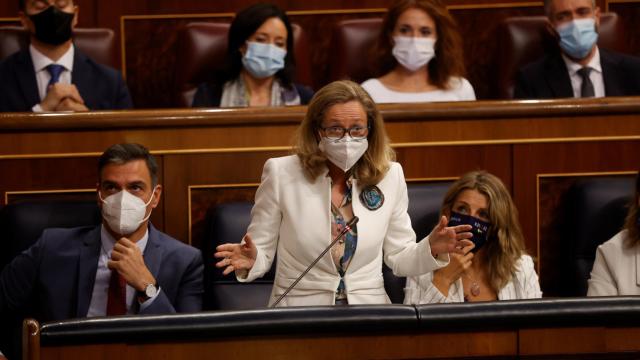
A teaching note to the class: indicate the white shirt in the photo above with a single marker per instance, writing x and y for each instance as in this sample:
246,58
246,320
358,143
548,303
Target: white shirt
40,63
98,304
460,90
595,75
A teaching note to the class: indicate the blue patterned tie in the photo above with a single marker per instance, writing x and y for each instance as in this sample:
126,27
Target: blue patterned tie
55,70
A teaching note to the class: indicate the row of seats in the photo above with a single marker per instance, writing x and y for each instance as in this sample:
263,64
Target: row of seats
202,48
596,212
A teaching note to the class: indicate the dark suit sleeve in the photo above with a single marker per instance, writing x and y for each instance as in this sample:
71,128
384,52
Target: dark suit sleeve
207,95
521,89
123,98
189,297
305,93
18,279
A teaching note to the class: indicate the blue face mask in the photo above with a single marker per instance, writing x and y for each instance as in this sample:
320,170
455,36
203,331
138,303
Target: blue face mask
263,60
479,228
577,37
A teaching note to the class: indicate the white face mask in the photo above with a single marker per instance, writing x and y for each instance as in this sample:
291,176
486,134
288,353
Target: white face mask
124,212
413,52
343,153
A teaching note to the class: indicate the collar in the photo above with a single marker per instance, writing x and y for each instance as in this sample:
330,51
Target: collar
573,66
109,241
40,61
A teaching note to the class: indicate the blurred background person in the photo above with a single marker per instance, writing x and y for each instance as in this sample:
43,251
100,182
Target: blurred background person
495,266
616,269
260,64
419,53
343,167
580,68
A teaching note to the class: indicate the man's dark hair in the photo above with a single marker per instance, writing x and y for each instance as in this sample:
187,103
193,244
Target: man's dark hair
21,5
245,23
123,153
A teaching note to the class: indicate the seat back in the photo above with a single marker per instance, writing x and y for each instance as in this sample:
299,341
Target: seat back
425,201
228,223
202,52
595,213
525,39
98,44
352,43
23,222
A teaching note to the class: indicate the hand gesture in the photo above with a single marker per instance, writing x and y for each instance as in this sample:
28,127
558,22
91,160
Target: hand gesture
57,93
445,239
126,258
236,257
459,263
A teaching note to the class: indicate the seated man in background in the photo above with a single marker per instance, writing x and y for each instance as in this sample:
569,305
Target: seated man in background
580,69
124,266
52,74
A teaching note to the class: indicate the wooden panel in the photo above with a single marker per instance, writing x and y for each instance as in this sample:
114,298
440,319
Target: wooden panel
533,160
629,13
573,341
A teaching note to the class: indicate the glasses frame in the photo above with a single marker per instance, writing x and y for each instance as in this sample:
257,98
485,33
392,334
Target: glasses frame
346,131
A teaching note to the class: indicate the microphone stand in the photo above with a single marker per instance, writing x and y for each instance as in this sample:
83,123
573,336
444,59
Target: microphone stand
346,229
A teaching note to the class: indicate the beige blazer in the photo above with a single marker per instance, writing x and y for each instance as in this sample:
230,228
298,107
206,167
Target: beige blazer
616,270
292,216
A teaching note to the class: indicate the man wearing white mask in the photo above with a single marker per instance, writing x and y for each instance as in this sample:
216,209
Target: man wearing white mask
124,266
580,69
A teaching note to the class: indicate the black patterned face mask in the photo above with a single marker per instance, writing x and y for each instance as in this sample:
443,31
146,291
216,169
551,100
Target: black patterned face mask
479,228
53,26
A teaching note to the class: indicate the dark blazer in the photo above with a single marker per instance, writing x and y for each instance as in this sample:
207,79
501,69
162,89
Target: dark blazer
548,78
209,95
101,87
56,275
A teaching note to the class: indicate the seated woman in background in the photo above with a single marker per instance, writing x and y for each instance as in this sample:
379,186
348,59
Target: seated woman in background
616,270
495,266
260,64
419,51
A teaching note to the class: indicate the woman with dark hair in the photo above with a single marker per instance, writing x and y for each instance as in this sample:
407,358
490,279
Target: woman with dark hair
495,266
259,66
616,270
419,56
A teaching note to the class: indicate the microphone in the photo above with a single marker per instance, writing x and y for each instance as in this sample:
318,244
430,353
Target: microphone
346,229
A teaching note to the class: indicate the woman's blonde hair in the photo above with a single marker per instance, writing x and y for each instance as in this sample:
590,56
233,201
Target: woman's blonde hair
505,242
375,162
631,222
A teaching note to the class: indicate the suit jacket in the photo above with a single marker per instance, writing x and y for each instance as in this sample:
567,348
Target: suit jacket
292,215
522,285
616,270
56,274
101,87
548,78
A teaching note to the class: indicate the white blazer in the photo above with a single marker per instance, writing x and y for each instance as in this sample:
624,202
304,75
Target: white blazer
616,270
293,216
523,285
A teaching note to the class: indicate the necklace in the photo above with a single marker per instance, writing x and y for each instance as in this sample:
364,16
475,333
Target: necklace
474,289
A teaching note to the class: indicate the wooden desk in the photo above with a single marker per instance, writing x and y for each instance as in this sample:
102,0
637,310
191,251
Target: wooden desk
212,156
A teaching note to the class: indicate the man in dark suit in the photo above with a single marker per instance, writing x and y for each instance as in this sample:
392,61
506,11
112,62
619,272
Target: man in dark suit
580,68
124,266
52,74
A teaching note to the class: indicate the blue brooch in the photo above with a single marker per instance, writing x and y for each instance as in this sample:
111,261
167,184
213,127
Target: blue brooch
372,198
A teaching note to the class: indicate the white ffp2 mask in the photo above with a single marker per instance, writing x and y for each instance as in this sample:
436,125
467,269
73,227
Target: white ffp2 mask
343,153
413,52
124,212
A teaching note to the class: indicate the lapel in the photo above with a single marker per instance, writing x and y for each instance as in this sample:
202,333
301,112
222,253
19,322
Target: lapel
81,77
153,253
87,268
27,78
558,77
610,75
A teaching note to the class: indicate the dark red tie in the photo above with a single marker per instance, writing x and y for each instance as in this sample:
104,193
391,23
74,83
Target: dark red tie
117,298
